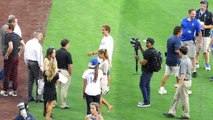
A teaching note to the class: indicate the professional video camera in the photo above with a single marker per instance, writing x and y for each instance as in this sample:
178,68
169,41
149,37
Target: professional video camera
136,44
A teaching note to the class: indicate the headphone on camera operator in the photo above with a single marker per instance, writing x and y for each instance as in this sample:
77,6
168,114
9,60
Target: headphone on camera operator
23,112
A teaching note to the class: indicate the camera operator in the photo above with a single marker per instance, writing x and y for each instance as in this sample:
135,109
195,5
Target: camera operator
23,112
147,71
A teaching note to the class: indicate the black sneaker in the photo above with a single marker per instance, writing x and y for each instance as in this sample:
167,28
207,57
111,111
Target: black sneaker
31,99
169,115
182,118
194,74
39,100
143,105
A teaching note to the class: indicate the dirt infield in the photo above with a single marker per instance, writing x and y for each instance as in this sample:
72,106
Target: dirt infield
32,15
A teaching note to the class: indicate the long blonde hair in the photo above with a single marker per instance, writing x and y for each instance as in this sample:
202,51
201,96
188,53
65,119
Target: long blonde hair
51,71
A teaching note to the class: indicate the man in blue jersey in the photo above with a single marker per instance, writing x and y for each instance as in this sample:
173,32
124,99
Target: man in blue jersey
190,26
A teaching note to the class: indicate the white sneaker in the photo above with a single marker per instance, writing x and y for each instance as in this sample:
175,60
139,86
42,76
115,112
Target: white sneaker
162,91
106,91
140,103
189,92
13,93
176,85
197,65
3,93
207,67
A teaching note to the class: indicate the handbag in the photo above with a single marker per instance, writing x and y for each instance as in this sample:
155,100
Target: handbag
40,86
62,78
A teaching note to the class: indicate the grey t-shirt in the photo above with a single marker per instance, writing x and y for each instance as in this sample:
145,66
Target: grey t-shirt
185,68
3,36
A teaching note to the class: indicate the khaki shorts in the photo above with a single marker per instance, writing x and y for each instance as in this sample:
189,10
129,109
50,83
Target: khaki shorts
172,70
205,44
191,48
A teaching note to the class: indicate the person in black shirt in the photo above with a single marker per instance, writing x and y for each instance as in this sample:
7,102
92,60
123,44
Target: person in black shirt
65,62
50,79
147,73
14,46
205,18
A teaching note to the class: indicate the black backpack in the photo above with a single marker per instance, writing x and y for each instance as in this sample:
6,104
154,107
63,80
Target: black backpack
157,60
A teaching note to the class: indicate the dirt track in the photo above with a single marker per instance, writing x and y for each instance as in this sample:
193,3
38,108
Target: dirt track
32,15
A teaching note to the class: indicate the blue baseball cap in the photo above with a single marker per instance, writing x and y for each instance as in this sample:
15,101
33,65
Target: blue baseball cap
93,62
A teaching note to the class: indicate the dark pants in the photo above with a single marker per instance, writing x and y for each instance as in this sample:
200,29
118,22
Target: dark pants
34,74
11,72
145,86
90,99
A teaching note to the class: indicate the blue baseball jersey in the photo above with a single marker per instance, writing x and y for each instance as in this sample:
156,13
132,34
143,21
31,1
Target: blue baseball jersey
173,44
189,27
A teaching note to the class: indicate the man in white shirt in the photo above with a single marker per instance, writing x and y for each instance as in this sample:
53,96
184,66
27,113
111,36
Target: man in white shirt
14,21
106,43
33,58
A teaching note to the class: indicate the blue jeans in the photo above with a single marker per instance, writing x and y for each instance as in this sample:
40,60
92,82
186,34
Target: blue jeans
145,86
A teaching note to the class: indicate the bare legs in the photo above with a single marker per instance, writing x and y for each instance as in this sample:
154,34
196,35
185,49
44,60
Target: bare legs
49,109
109,106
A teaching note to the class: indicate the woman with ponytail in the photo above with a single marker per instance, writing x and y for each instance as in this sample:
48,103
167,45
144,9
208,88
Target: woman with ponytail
91,83
104,67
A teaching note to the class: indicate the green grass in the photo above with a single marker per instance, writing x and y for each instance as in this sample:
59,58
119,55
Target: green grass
81,22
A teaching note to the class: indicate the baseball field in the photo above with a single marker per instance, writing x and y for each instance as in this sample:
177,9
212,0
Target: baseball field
80,21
